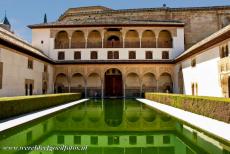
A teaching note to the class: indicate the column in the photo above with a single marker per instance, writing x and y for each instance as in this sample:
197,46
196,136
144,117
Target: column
70,42
102,37
86,38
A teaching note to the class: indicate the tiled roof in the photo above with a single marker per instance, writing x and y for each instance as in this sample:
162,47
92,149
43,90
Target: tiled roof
205,41
14,39
107,21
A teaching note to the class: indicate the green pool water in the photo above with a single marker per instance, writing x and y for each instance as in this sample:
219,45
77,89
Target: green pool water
109,126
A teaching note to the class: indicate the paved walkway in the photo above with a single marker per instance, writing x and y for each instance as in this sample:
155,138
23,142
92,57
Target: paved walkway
214,127
21,120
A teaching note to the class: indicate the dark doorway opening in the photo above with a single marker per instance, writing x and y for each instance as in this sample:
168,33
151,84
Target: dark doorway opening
59,89
113,83
31,89
229,86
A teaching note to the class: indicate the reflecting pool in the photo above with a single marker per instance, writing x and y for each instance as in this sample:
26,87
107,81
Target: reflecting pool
108,126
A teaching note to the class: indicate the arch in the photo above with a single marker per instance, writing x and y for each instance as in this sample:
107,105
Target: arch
132,85
94,39
148,39
113,39
77,83
132,39
165,39
149,82
61,83
61,40
113,82
94,85
165,83
180,81
78,39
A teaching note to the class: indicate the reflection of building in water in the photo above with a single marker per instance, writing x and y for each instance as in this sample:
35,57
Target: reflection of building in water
138,128
99,51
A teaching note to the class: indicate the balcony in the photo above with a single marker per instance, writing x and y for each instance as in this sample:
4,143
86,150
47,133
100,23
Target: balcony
113,44
78,45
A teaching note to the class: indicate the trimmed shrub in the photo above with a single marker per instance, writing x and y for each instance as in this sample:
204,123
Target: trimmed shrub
212,107
13,106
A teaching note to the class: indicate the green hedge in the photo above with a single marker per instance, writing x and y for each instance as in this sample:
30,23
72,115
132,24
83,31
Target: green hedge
13,106
213,107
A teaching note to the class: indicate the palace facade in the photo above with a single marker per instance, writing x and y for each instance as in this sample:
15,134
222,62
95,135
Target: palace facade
102,52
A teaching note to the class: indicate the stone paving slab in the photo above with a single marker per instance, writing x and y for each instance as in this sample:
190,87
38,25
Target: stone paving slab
24,119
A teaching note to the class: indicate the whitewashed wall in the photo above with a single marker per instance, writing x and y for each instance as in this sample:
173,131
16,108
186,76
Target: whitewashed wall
15,71
205,73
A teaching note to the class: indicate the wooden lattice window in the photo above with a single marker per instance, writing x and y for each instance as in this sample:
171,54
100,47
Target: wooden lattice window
93,55
165,55
30,64
148,55
61,55
132,55
77,55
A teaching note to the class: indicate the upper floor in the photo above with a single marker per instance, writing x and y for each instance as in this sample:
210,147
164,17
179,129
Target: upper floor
153,40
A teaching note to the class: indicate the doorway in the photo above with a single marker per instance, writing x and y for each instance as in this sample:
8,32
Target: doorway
113,83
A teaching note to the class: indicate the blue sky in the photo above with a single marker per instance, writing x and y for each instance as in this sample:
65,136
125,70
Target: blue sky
25,12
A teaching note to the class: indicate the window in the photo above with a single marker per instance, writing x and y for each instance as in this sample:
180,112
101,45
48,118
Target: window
61,55
193,89
224,51
132,140
149,140
45,68
113,55
113,140
148,55
110,55
165,55
116,55
30,64
77,139
132,55
94,140
193,62
77,55
166,139
93,55
60,139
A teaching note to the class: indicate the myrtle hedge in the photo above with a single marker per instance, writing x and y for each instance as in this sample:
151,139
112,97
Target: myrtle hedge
14,106
213,107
